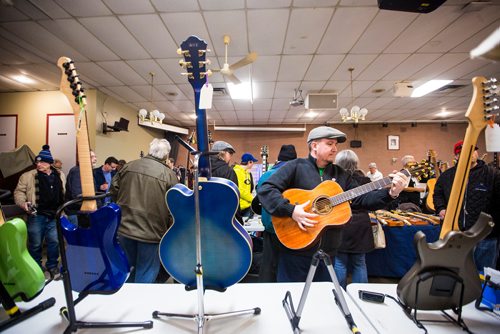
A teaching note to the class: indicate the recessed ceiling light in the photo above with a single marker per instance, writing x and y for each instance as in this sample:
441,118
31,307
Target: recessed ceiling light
378,90
428,87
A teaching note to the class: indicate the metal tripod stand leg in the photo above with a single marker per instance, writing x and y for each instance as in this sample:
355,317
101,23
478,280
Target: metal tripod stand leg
201,318
295,315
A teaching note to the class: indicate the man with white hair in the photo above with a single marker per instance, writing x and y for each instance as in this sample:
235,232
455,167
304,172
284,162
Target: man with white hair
139,188
373,173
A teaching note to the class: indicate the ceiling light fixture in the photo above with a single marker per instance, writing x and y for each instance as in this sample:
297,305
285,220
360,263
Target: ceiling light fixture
242,91
357,114
428,87
154,115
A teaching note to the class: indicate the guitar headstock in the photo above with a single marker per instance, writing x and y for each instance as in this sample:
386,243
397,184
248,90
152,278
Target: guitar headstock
194,52
264,151
75,88
484,104
420,170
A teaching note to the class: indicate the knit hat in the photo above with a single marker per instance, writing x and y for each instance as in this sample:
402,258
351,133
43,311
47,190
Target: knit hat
457,148
326,132
287,153
45,155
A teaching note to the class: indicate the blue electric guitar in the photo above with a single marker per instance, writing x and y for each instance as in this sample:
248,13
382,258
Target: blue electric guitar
226,248
96,263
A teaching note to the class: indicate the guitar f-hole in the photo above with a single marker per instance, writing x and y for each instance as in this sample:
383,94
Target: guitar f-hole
322,205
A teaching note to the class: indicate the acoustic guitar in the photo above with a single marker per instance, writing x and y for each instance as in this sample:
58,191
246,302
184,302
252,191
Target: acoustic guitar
226,248
330,202
21,276
96,262
431,183
446,266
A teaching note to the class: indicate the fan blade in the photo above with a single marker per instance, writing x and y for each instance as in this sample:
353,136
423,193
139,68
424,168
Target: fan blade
250,58
231,77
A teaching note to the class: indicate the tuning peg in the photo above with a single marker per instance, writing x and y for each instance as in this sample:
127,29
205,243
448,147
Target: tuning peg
189,75
185,64
202,63
185,53
207,73
202,52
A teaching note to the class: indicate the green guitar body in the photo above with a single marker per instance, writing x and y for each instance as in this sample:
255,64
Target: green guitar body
20,274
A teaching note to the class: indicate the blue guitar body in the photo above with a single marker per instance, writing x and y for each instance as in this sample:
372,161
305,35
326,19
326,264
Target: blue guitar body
225,245
96,262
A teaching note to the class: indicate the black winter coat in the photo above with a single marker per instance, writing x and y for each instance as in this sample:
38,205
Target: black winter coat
482,194
357,236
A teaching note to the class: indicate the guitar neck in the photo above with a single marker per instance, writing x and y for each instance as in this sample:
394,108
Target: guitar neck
204,168
358,191
82,139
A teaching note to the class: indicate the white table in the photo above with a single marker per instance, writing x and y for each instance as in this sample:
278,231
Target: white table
390,318
136,302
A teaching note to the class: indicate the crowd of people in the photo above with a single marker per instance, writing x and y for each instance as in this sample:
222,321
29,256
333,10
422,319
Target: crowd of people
139,188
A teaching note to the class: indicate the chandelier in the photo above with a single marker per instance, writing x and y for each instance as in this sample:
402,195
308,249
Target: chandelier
357,114
154,115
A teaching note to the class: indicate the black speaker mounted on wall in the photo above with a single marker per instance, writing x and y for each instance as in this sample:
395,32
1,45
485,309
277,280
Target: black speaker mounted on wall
356,143
416,6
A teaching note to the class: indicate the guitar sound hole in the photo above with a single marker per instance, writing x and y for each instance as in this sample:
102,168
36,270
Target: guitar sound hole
322,206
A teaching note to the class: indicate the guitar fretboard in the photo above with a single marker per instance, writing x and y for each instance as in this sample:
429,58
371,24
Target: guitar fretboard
358,191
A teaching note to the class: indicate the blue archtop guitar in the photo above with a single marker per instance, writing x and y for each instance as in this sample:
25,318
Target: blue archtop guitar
96,262
226,248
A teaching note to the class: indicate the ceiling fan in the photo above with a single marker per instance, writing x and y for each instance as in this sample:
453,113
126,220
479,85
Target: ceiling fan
227,70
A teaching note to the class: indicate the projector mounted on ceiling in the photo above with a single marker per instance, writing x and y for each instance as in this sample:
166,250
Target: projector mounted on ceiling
297,100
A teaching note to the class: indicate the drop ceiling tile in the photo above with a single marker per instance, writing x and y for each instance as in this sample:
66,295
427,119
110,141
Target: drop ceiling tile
145,67
84,8
262,105
265,68
411,65
280,104
323,66
9,13
358,62
123,72
176,25
341,34
97,74
158,44
312,86
223,105
71,30
113,33
306,27
293,67
242,105
441,65
460,30
268,4
173,70
267,30
264,90
127,94
286,89
232,23
423,29
121,7
176,5
386,26
381,66
54,46
221,4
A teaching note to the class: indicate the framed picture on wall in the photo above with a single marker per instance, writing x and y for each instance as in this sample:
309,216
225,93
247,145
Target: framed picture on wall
393,142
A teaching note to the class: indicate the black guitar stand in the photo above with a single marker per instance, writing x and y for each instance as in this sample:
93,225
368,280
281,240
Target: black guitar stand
68,312
201,317
295,315
447,281
15,314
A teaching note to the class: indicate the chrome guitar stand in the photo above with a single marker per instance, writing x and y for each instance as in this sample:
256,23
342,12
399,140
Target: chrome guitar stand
295,315
201,317
68,312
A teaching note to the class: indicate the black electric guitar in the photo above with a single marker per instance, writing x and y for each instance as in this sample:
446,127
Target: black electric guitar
446,266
